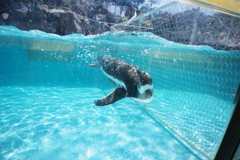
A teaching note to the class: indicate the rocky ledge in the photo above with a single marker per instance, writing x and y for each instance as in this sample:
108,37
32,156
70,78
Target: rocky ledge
61,17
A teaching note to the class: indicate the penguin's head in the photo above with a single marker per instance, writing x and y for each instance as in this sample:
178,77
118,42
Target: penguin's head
145,87
144,78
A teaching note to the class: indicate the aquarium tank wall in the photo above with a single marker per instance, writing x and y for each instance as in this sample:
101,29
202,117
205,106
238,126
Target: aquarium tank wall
48,85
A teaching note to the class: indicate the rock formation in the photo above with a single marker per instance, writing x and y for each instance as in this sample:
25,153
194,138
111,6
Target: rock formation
61,17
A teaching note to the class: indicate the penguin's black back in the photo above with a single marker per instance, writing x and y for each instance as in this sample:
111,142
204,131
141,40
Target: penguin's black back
120,70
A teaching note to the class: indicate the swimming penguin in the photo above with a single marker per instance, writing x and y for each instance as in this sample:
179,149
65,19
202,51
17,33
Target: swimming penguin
130,81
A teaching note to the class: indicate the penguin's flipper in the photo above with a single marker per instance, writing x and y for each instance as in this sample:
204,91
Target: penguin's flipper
116,95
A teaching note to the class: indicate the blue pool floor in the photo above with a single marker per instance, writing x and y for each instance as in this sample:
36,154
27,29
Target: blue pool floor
63,123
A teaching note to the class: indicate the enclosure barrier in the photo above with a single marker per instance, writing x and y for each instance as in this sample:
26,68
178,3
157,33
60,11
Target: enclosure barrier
207,80
189,24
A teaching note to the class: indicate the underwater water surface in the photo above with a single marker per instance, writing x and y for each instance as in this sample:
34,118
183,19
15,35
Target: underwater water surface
47,90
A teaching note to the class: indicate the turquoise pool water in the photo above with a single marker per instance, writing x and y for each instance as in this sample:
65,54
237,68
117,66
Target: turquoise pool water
47,90
63,123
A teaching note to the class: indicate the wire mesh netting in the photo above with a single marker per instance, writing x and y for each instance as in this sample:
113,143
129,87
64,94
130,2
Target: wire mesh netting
188,24
196,84
196,102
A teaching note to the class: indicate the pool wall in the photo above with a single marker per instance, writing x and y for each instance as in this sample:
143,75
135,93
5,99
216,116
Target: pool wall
19,68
